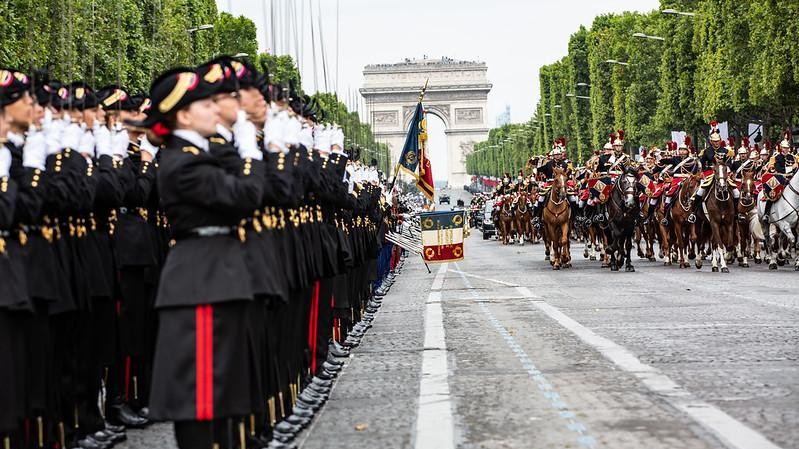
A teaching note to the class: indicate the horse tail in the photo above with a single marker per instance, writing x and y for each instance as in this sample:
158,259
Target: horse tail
755,227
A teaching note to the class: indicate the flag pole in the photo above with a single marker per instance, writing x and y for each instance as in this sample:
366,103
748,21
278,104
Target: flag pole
397,165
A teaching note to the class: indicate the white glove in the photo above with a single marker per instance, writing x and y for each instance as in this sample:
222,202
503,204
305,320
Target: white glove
292,130
86,144
119,144
145,145
52,134
5,161
71,136
318,130
323,141
102,140
34,152
246,141
306,137
337,139
273,135
47,120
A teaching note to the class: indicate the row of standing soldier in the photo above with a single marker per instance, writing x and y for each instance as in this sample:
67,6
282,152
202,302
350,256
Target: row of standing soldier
191,255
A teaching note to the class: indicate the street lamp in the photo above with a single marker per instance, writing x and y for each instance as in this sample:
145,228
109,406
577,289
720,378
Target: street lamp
678,13
191,32
646,36
207,26
571,95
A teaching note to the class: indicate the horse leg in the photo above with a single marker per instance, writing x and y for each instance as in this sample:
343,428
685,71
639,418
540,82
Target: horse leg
628,247
564,246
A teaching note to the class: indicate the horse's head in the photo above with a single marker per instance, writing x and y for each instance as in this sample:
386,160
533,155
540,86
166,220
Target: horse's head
722,172
747,186
559,182
627,184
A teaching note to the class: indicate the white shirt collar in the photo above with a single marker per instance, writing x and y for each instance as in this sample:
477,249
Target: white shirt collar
224,132
193,137
16,139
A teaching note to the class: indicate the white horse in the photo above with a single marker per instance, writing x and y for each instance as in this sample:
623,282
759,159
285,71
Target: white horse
783,218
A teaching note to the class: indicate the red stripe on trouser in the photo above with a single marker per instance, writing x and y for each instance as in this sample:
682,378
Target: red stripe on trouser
205,362
127,378
313,325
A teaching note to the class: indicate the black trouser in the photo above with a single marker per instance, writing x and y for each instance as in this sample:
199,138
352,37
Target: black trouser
325,320
221,434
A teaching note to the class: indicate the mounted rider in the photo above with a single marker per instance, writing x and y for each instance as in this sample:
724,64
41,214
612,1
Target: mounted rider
677,168
547,172
714,154
610,165
780,168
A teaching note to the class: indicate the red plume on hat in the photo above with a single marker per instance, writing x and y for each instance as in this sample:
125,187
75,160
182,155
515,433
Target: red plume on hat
621,134
611,137
673,145
745,142
688,141
714,124
732,142
787,135
768,144
563,141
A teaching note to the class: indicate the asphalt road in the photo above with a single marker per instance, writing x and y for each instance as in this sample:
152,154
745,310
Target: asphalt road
499,351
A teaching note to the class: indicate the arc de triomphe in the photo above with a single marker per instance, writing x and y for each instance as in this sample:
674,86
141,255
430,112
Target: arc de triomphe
457,93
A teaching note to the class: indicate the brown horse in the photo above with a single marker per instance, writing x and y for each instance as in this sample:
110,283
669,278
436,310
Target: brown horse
557,216
506,219
677,234
719,212
523,217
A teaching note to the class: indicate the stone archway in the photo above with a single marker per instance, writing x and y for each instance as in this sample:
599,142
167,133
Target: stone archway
457,93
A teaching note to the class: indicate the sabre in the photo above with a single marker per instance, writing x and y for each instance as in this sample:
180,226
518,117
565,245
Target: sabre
744,165
690,158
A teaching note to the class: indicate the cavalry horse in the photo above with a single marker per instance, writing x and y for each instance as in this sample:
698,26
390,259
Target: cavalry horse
675,237
523,217
782,219
505,219
557,219
719,212
623,210
750,233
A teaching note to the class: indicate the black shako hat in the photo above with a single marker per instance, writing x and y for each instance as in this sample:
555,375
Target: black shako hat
171,91
13,85
220,74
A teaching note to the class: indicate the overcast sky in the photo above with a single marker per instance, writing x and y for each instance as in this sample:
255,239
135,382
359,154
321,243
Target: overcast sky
514,37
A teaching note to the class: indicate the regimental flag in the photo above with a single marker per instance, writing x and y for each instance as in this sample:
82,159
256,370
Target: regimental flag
442,236
414,159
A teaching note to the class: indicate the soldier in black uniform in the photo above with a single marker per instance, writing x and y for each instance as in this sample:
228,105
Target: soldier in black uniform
778,166
714,154
134,254
205,290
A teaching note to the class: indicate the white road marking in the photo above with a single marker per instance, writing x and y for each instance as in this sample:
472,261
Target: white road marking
434,424
509,284
583,437
732,433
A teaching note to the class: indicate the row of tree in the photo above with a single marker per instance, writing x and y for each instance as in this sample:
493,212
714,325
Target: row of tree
128,42
729,61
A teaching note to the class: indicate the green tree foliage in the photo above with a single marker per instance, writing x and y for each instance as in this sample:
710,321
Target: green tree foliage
732,61
236,35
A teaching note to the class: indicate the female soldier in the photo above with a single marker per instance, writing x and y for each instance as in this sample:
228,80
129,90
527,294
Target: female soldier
201,377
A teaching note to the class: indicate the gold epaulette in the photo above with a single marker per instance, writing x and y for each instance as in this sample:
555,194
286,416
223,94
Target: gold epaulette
191,149
217,140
